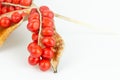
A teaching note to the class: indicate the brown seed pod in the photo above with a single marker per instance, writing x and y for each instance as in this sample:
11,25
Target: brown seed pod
5,32
58,48
6,7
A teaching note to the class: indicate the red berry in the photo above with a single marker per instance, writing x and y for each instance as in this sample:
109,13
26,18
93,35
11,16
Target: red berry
48,41
5,22
47,22
2,0
0,5
47,31
11,8
16,17
17,8
0,11
4,9
25,2
33,26
31,45
44,64
24,14
33,61
42,8
34,15
9,1
48,53
35,36
48,13
33,10
36,51
16,1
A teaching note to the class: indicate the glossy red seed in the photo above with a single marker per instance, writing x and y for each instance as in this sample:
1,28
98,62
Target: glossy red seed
24,14
16,17
0,8
48,41
4,9
48,13
25,2
47,22
0,11
33,10
42,8
5,22
9,1
33,61
0,5
16,1
44,64
31,45
36,51
34,15
47,31
33,26
11,8
35,36
2,0
47,53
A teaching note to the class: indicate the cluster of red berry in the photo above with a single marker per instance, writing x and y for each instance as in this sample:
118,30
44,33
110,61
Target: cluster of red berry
7,8
41,24
46,45
6,22
21,2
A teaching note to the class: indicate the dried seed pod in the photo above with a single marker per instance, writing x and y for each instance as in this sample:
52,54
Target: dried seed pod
58,49
5,32
8,6
47,38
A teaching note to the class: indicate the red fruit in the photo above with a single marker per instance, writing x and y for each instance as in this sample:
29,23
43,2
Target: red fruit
0,11
11,8
16,17
47,31
25,2
33,10
17,8
34,15
31,45
36,51
47,22
35,36
44,64
33,26
33,61
48,41
0,5
47,53
48,13
2,0
5,22
16,1
9,1
24,14
4,9
42,8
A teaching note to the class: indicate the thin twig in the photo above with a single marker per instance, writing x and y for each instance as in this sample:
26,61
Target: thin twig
70,19
101,30
39,34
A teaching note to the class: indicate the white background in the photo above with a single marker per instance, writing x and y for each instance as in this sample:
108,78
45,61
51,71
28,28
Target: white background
90,54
